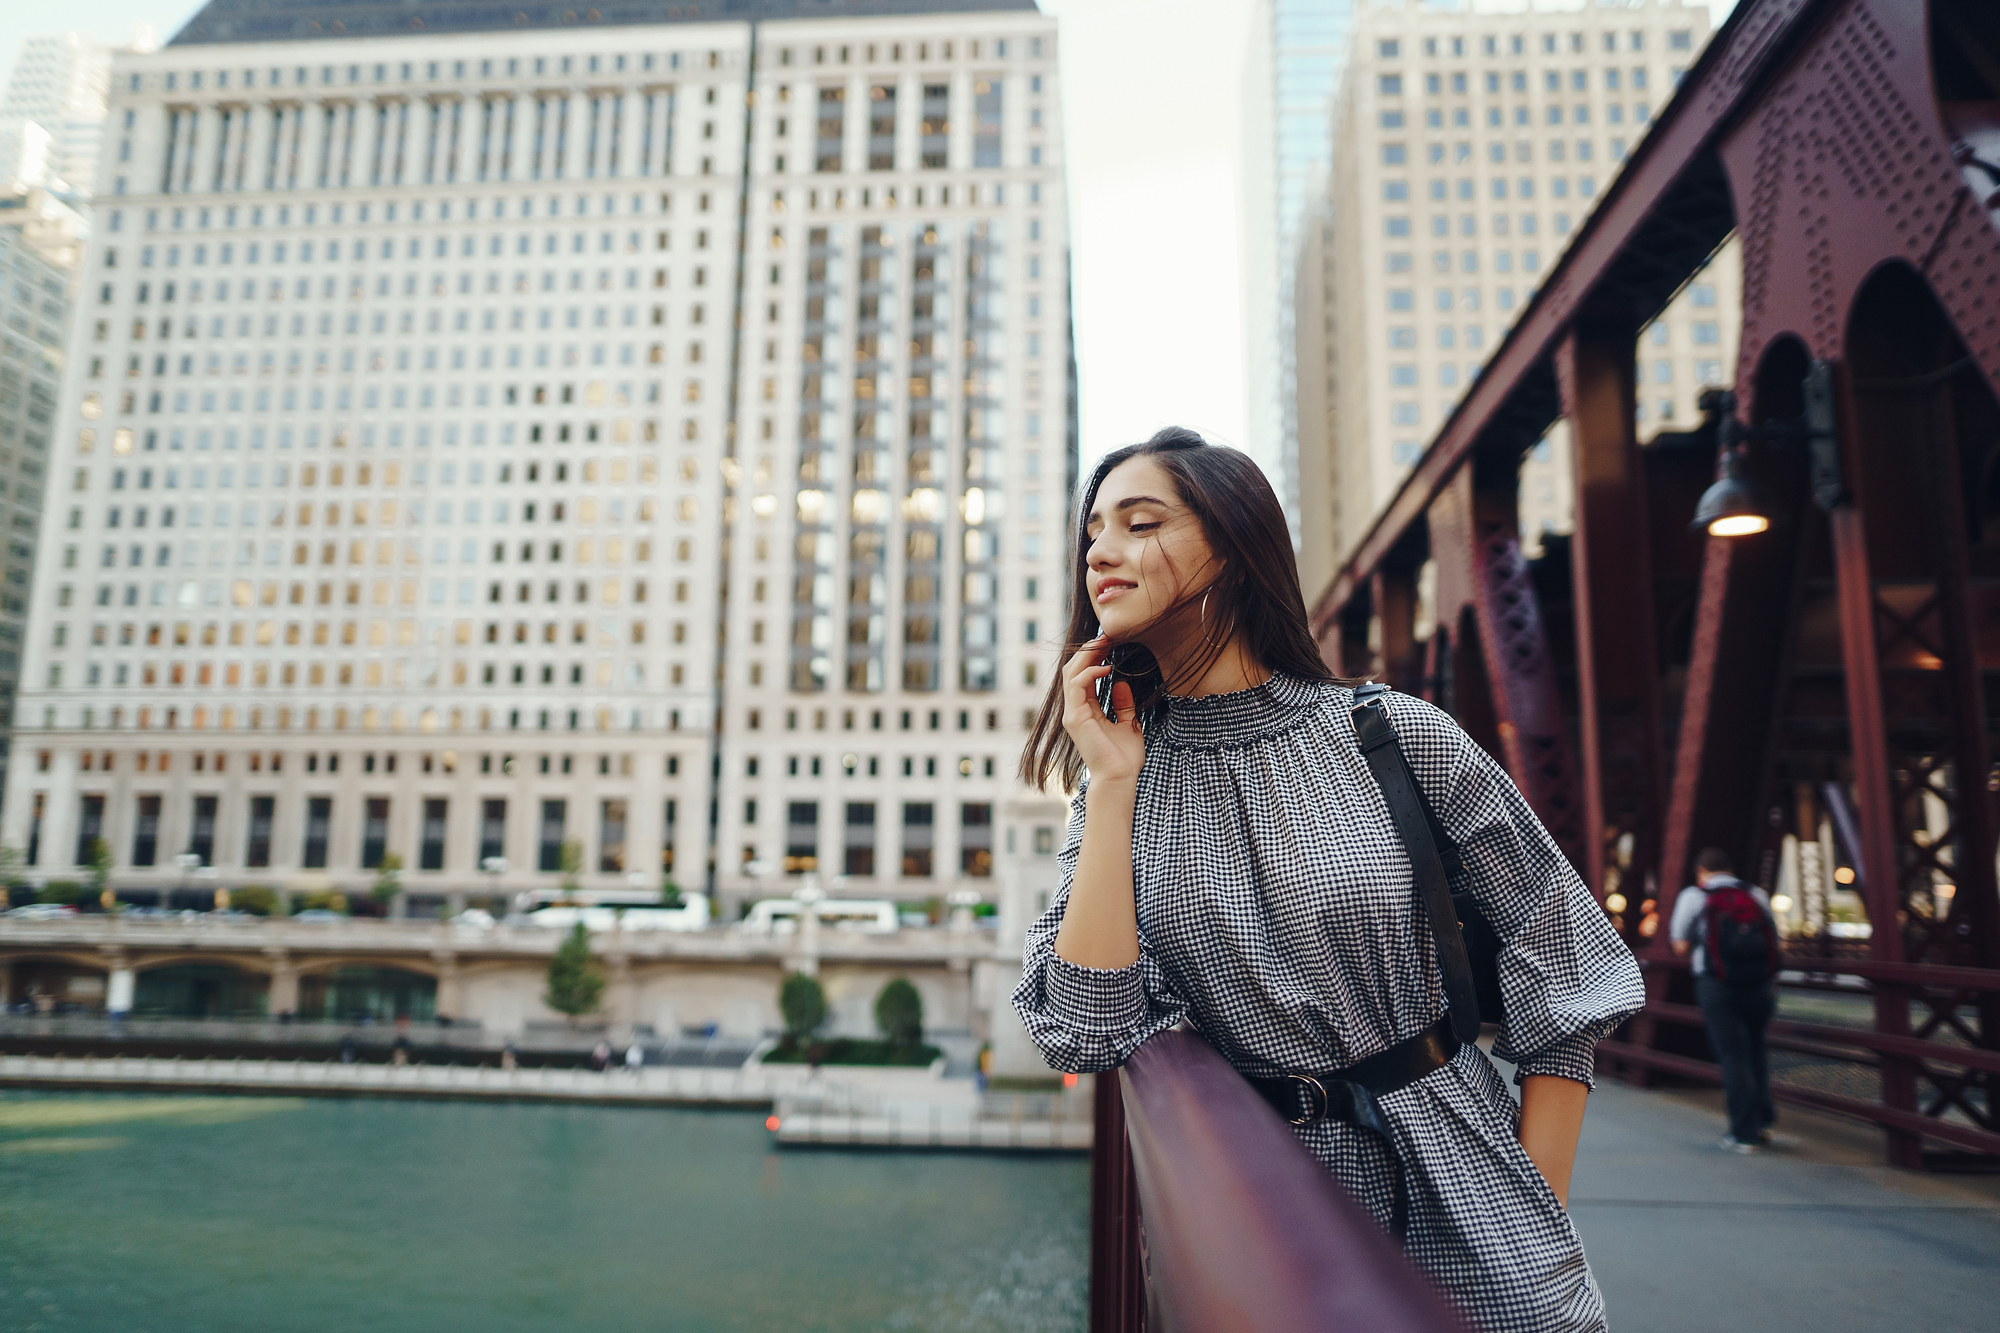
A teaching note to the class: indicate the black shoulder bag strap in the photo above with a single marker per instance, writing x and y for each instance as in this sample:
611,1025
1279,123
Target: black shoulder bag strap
1406,807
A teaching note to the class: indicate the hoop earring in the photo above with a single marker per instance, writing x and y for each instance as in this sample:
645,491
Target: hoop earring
1202,614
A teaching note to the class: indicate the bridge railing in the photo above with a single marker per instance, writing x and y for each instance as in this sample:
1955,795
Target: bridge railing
1961,1114
1208,1214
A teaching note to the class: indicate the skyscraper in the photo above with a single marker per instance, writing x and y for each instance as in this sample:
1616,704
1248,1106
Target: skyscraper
1297,50
1468,148
40,246
489,433
58,83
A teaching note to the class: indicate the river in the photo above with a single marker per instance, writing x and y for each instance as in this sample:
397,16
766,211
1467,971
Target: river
146,1213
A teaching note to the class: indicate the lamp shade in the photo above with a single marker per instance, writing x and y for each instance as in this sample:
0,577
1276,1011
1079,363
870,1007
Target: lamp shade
1732,507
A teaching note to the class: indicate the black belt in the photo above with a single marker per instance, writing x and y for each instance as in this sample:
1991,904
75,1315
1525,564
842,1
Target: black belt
1347,1096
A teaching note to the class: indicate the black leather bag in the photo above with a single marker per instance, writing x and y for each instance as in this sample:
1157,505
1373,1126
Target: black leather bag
1468,950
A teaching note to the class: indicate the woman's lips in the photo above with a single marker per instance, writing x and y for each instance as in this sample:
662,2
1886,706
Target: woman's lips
1111,588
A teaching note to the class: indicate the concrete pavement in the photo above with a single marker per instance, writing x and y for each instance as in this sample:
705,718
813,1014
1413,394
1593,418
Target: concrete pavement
1685,1237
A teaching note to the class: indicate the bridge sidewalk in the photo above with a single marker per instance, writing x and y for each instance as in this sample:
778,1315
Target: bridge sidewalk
1824,1238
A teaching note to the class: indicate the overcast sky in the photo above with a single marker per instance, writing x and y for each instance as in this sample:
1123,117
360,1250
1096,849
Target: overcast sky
1153,95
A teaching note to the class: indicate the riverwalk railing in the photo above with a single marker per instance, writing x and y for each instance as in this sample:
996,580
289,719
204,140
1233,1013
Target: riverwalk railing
1208,1214
1948,1081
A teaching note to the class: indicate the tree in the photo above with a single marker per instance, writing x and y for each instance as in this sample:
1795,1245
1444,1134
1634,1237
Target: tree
571,863
670,892
802,1001
12,878
575,983
388,878
899,1013
100,870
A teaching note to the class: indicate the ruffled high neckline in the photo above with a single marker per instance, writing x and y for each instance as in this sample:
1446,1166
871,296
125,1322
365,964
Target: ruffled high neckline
1279,704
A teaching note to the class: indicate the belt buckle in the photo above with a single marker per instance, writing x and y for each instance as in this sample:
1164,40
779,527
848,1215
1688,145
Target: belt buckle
1308,1086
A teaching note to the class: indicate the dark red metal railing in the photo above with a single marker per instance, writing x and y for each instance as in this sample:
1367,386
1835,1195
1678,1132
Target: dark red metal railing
1243,1229
1955,1113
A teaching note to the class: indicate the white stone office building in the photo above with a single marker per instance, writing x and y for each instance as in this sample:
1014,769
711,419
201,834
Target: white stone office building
1468,148
639,430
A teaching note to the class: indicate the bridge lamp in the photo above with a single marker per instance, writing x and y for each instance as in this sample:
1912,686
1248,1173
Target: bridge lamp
1732,507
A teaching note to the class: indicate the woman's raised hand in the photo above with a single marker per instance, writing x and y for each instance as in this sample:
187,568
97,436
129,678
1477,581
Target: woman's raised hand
1111,750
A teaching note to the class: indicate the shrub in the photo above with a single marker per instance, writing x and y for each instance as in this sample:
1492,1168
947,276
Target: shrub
802,1001
254,899
899,1013
62,892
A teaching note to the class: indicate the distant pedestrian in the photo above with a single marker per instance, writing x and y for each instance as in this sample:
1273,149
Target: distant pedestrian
509,1056
600,1056
347,1048
1727,927
399,1051
635,1056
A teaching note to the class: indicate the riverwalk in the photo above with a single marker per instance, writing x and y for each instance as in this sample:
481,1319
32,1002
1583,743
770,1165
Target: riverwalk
1825,1237
835,1106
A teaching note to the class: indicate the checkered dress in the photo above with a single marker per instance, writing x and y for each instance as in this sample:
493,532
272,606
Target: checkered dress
1277,915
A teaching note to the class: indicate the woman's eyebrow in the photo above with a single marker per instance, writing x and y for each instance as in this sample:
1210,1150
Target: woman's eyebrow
1133,501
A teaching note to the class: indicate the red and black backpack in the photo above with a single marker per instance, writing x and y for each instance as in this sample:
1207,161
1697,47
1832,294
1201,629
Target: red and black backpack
1738,935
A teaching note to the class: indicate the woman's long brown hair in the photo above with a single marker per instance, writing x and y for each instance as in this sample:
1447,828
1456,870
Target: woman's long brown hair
1255,590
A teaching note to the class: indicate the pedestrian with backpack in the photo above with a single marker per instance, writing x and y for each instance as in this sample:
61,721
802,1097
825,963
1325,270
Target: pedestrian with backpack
1726,926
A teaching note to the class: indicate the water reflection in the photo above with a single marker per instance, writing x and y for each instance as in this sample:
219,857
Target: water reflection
310,1215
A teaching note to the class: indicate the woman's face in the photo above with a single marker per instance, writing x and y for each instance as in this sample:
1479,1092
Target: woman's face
1147,551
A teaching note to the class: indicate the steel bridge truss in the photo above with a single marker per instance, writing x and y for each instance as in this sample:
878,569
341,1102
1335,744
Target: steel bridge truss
1829,689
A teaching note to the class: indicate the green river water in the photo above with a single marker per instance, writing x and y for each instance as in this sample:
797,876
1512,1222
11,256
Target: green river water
145,1214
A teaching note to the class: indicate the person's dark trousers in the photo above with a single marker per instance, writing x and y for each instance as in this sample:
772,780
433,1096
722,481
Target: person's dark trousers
1736,1017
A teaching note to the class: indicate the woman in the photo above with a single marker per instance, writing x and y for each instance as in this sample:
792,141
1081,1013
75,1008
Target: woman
1231,863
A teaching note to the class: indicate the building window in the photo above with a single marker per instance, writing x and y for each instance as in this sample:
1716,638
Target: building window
975,839
201,836
146,832
89,828
801,837
611,837
554,813
430,855
918,823
832,127
858,842
492,831
319,827
667,839
986,106
374,832
257,845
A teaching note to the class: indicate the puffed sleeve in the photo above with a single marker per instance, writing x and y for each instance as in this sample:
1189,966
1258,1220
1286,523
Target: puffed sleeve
1088,1019
1567,978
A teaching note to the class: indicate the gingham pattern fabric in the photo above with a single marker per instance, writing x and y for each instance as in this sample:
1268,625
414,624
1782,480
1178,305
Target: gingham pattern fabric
1278,915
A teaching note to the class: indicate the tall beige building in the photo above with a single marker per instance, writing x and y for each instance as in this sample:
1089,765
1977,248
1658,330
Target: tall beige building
495,434
1468,149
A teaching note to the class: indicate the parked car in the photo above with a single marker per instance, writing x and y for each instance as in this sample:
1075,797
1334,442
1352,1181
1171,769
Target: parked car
476,918
42,911
320,915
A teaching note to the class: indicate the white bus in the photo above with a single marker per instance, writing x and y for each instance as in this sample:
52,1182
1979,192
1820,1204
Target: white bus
870,916
692,914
